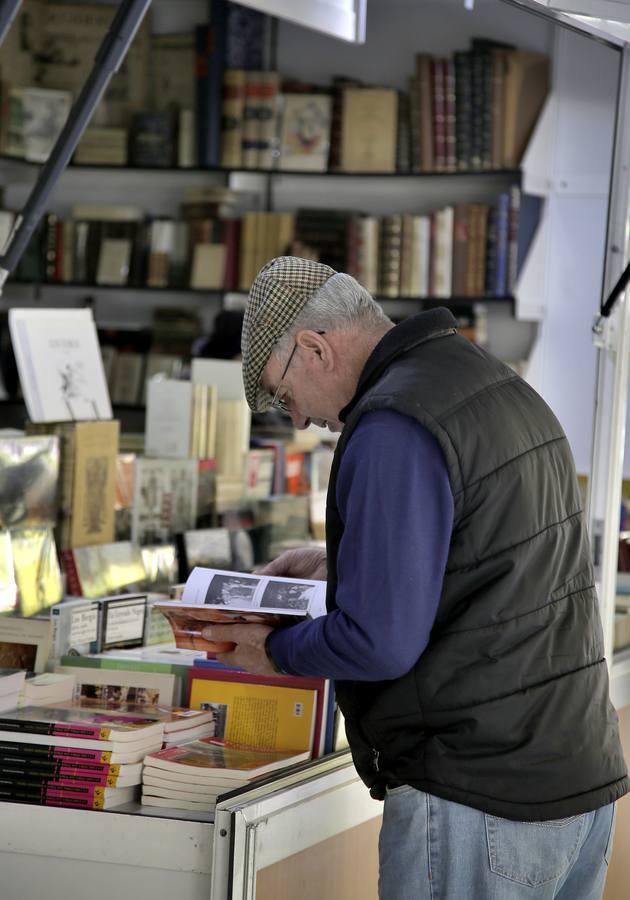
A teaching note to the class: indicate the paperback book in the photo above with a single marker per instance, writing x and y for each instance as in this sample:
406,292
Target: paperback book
72,751
219,596
218,760
63,795
80,723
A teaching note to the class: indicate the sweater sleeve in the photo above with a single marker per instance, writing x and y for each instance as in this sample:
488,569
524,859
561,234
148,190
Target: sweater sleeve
396,504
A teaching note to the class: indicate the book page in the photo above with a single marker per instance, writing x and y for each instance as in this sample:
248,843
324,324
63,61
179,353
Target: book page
219,588
217,596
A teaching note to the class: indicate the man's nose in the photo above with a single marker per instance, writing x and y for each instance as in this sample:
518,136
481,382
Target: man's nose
299,421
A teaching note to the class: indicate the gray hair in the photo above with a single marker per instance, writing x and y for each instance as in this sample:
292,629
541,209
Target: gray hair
339,303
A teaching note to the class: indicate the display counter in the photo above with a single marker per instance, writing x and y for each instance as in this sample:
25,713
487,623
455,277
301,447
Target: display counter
298,834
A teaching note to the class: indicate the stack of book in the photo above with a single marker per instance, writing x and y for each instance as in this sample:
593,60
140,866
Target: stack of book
46,688
181,724
80,758
194,775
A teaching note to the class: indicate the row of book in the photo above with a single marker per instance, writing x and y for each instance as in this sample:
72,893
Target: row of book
97,754
469,250
472,111
52,46
465,250
100,753
218,106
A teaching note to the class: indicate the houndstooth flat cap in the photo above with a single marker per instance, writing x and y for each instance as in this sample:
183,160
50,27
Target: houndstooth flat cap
277,296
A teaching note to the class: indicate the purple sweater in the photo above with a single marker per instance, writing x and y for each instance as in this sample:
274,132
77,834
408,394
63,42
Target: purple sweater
395,500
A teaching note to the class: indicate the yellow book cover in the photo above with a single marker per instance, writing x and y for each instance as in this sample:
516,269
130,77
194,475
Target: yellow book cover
368,142
93,495
258,715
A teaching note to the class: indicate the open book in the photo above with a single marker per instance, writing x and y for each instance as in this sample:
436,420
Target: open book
214,595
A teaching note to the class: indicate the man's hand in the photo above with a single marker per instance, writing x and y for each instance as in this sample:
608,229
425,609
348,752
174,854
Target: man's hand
304,562
249,652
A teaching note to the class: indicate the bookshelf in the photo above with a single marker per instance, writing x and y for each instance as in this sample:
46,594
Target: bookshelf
583,78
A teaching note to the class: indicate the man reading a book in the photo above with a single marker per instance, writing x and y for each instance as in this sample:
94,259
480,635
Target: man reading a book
463,630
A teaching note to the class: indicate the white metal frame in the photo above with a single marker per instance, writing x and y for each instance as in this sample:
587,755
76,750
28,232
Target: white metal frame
262,827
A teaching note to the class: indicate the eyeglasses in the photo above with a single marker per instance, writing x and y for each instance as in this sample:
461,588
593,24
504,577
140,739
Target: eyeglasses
278,400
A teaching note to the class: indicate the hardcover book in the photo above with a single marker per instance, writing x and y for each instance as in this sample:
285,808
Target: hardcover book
305,137
60,365
368,142
94,483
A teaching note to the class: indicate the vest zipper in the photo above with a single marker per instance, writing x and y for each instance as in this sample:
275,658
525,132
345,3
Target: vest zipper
375,755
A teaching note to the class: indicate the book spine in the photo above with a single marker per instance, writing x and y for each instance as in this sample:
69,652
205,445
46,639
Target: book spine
403,133
50,266
463,111
203,45
439,115
461,237
267,119
414,125
481,253
498,90
17,794
51,752
81,732
450,115
491,251
251,120
515,206
425,91
502,223
391,238
477,109
107,776
73,582
234,81
488,99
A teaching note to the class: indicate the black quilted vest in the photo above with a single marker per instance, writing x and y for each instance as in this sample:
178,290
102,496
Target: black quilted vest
507,709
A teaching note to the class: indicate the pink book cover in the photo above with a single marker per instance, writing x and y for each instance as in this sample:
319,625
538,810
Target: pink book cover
76,722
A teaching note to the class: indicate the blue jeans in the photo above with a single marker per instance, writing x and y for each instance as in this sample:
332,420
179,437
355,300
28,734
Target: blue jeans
433,849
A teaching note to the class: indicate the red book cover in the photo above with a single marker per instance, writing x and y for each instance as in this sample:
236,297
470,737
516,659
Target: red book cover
73,583
296,473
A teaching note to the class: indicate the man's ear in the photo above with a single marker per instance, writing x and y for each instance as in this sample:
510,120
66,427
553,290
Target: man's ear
316,347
